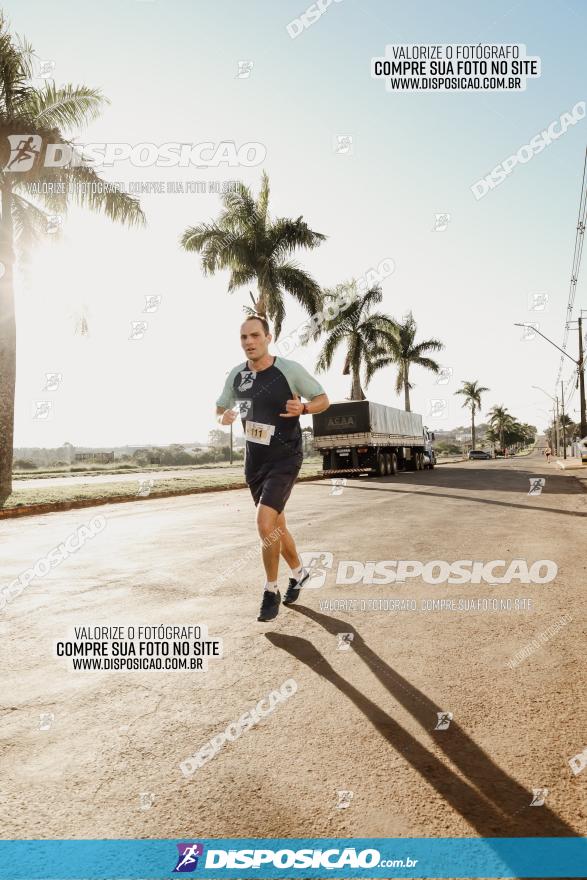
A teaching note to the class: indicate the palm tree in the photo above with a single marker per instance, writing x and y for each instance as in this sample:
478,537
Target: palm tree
501,421
404,351
472,392
359,331
38,116
254,247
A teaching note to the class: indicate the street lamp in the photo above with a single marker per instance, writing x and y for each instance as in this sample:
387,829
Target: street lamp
579,364
554,421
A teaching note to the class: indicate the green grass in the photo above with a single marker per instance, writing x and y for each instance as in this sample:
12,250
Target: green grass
92,470
96,492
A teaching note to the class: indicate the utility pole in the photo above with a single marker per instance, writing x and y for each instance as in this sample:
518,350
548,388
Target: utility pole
563,420
581,367
557,429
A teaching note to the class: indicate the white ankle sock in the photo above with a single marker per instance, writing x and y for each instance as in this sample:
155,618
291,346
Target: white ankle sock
271,585
297,572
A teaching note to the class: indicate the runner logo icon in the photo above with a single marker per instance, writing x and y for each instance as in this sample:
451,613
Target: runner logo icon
189,854
247,379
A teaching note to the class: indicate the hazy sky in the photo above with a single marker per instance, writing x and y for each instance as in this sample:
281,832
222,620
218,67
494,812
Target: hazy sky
169,68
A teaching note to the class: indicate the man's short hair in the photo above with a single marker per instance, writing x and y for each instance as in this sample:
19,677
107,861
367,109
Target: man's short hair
261,319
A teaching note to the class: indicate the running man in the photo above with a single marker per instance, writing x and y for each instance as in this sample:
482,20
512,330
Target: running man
548,453
267,391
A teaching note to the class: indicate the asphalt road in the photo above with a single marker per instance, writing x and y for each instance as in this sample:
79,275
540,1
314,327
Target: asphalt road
362,720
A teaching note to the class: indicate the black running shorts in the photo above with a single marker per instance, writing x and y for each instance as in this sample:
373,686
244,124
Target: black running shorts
271,484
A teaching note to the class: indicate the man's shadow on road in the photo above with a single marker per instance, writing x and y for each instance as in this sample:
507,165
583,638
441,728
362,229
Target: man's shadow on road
491,801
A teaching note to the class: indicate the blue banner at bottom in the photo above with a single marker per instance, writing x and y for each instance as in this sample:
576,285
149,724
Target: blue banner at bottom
367,857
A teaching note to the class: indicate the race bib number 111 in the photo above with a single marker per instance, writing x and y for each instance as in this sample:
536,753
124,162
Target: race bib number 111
257,432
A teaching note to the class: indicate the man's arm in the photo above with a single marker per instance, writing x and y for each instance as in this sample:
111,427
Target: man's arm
225,416
295,407
318,404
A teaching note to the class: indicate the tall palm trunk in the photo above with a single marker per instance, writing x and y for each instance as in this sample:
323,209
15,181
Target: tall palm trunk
356,390
7,344
406,392
406,382
473,427
261,303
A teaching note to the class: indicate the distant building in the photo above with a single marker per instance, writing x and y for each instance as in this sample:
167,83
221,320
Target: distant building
95,457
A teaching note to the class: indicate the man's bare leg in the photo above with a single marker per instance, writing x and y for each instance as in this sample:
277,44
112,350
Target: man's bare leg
270,543
288,545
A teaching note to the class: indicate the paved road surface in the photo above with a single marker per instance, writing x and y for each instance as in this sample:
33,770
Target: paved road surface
361,720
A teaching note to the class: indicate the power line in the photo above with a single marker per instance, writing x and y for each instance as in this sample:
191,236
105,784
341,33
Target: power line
577,253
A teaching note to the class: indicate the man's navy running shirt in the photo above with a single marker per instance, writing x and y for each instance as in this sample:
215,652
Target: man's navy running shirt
261,397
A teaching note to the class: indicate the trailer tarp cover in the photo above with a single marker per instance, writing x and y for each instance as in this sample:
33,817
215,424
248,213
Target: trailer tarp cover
387,420
363,417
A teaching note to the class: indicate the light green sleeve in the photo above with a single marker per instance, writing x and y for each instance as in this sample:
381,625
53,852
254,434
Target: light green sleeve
300,381
227,398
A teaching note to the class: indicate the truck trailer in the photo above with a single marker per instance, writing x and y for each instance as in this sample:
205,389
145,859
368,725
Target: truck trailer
359,436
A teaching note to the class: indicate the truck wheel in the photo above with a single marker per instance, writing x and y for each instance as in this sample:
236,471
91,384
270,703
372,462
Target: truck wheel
387,457
419,461
393,470
381,468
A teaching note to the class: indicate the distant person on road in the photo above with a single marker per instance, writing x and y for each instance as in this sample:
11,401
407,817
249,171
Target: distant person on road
267,390
548,453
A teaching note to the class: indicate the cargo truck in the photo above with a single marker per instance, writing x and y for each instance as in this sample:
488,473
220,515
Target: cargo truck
359,436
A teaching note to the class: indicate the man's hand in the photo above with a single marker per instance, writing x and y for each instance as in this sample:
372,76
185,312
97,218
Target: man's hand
227,417
294,408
